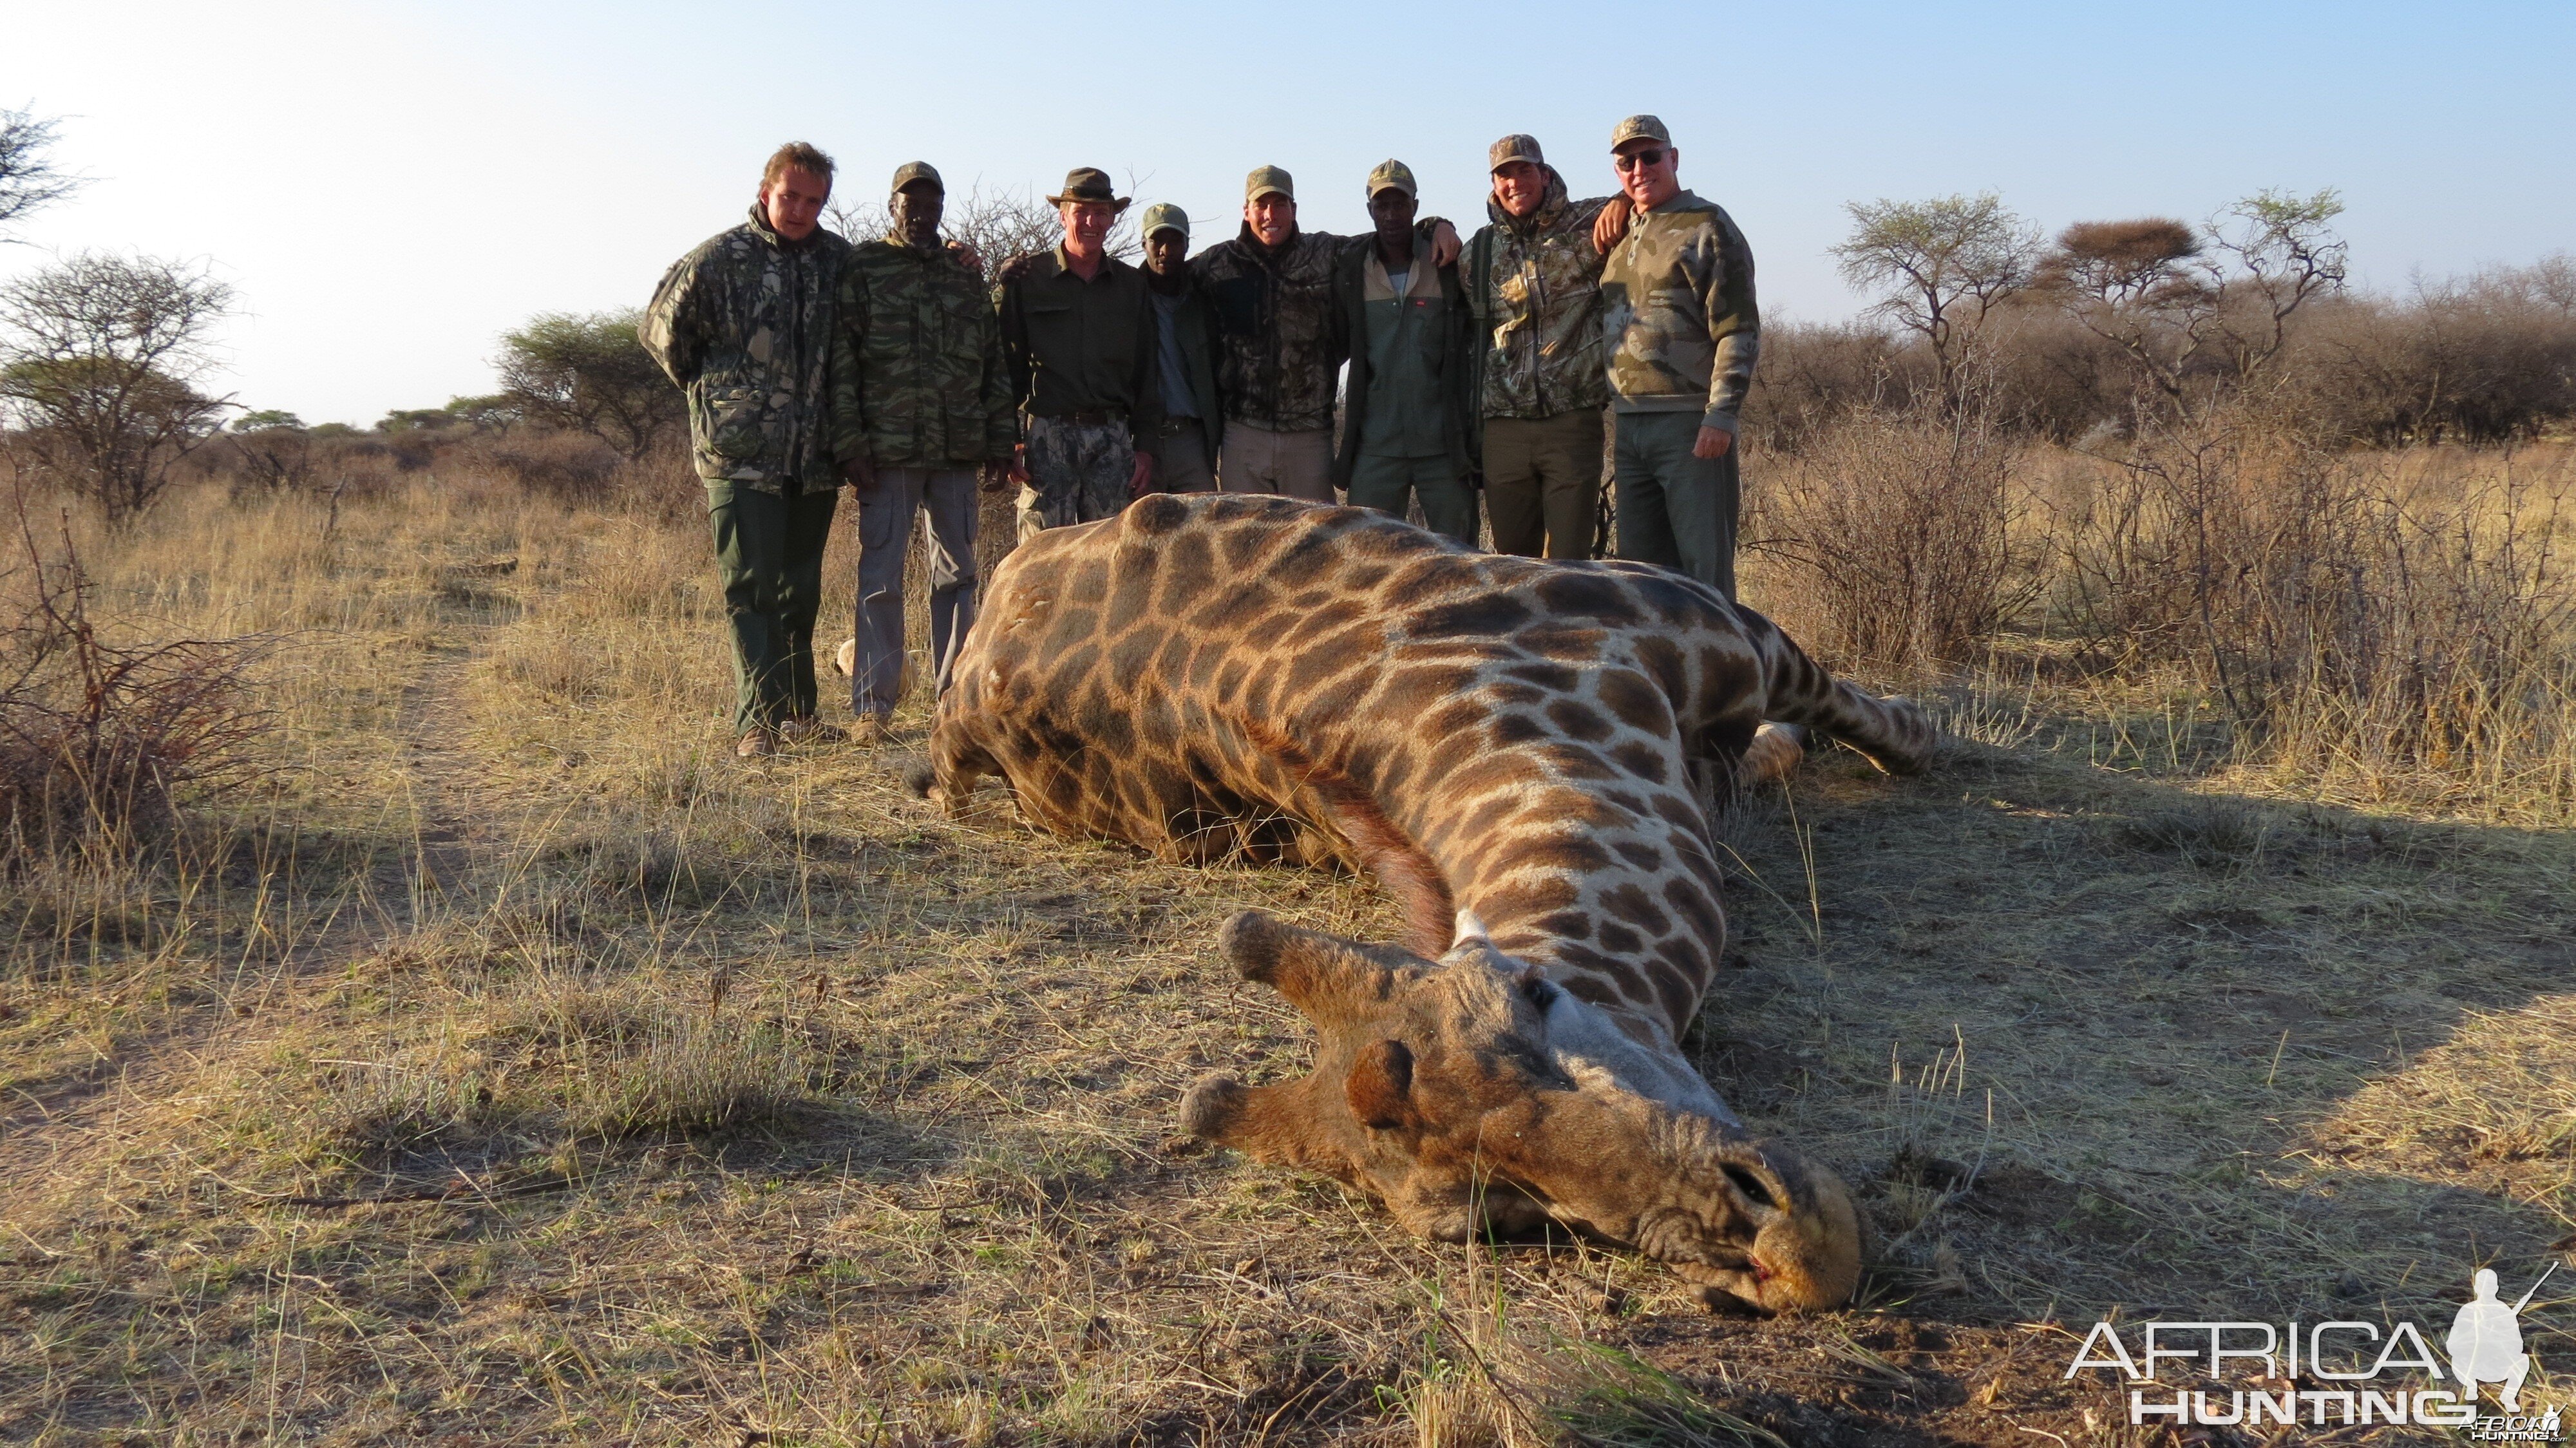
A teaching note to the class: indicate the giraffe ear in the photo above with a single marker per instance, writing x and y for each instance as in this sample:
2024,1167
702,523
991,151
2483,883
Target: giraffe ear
1333,981
1380,1086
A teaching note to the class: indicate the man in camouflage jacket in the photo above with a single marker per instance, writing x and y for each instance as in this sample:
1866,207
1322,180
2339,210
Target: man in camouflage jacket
1682,332
1533,286
920,401
1281,339
744,325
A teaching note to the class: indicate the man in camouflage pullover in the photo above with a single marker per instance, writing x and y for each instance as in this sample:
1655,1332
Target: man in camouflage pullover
1682,332
1532,282
1281,339
744,325
920,400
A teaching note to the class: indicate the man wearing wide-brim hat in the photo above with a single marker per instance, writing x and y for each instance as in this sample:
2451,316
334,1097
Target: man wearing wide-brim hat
1078,337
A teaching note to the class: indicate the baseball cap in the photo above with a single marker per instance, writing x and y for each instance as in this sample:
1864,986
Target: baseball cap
911,171
1640,128
1512,148
1265,180
1164,216
1392,173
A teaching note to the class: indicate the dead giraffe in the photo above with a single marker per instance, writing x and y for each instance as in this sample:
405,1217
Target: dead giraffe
1518,751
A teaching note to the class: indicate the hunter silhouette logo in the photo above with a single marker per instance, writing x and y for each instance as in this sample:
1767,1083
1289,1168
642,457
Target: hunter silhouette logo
2360,1373
2486,1341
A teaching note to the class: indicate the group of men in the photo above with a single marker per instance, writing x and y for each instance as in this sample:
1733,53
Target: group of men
1475,366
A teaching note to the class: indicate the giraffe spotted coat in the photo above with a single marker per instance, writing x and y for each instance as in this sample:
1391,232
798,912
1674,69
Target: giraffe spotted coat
1518,750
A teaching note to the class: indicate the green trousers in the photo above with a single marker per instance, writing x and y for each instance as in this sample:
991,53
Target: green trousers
1675,510
769,554
1390,484
1543,483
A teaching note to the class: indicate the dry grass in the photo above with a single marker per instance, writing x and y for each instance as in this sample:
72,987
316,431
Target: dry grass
512,1066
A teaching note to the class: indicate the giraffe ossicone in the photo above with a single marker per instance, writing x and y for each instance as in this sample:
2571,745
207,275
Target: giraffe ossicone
1520,752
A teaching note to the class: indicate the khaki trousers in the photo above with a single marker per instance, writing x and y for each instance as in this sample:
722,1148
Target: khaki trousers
1543,483
1257,460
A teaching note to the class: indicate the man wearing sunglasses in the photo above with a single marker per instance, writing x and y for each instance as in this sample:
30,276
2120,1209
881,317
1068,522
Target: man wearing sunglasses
1682,333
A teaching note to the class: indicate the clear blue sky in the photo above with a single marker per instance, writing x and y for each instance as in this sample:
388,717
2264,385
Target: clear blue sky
391,185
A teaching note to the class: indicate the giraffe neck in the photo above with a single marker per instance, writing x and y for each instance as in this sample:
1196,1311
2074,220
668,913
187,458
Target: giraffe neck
1607,886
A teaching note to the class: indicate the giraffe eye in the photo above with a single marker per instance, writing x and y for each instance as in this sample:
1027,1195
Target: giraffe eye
1749,1184
1538,990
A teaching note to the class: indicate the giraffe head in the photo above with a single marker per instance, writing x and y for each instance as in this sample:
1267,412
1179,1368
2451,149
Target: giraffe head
1472,1092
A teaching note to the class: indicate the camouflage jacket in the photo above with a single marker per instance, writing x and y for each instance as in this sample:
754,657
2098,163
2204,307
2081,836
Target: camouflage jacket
1280,340
1677,313
744,325
1533,286
917,373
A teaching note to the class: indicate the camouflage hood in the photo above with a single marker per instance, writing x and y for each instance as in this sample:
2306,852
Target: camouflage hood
1534,288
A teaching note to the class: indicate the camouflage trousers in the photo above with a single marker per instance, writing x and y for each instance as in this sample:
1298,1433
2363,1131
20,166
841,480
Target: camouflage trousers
1078,473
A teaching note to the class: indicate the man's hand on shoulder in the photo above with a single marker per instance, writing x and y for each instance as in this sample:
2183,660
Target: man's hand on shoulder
1610,228
965,255
1444,242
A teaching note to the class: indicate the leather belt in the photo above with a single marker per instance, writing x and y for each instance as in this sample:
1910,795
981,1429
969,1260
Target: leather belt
1173,426
1096,417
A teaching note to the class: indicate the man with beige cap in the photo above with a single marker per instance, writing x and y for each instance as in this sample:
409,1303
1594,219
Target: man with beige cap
1533,284
1681,333
1280,340
1403,414
1078,339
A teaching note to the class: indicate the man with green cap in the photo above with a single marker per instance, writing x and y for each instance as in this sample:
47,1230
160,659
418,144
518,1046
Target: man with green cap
1193,426
920,401
1403,413
1281,340
1681,333
744,325
1078,338
1533,282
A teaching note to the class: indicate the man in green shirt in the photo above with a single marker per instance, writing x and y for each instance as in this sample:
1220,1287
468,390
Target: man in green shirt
1403,429
1682,333
1078,337
744,325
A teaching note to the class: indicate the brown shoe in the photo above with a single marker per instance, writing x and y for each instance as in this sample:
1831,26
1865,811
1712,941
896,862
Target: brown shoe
810,730
758,744
870,730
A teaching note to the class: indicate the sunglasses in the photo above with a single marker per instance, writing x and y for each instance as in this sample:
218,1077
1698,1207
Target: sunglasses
1632,160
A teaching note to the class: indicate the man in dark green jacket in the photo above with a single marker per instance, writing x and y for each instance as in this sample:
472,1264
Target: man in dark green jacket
920,401
744,325
1404,408
1193,426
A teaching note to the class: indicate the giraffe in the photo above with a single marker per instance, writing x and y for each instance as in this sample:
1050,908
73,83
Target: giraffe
1518,751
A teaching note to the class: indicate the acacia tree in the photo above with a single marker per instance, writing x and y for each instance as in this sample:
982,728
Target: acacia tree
589,374
100,357
1940,269
2193,309
28,177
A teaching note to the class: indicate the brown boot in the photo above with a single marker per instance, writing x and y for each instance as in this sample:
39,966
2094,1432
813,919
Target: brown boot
758,744
871,730
806,729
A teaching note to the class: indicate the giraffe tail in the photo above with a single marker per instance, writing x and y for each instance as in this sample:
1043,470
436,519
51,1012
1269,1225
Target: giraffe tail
1894,734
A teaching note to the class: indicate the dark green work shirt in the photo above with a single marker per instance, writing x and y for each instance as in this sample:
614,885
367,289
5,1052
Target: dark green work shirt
1408,337
1075,347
